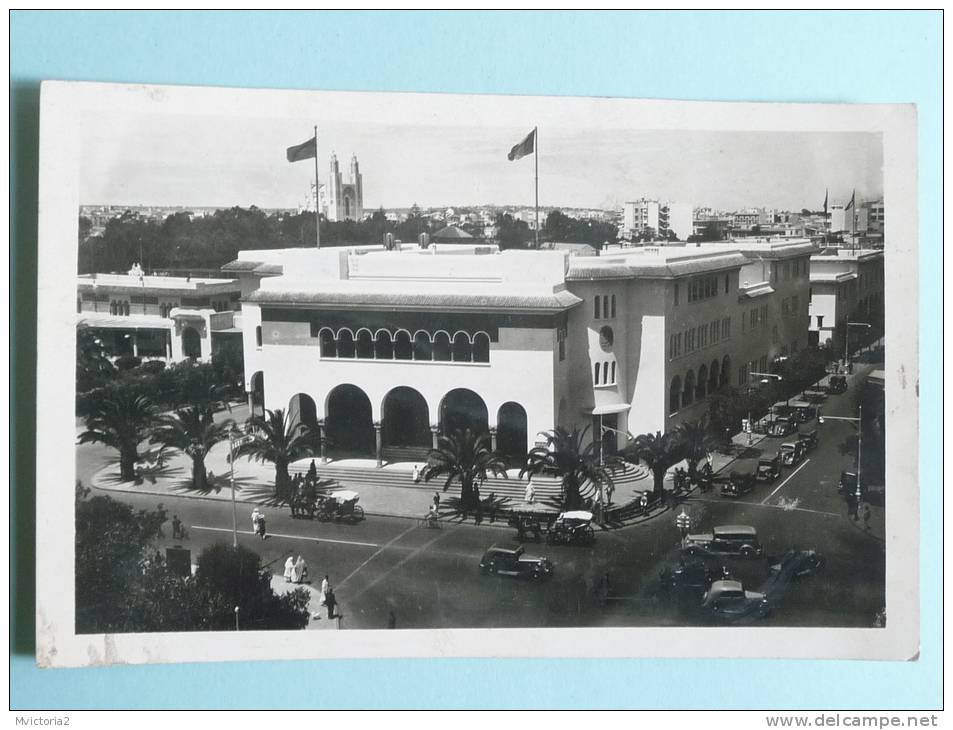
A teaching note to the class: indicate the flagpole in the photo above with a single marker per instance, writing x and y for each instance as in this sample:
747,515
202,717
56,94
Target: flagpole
317,194
536,161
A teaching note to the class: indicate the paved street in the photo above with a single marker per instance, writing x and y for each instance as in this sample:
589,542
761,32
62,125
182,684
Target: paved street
430,577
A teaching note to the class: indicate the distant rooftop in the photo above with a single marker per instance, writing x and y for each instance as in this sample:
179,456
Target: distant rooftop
163,283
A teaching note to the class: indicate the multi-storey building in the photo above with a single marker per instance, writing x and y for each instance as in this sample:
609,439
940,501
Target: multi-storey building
662,219
384,350
846,285
165,318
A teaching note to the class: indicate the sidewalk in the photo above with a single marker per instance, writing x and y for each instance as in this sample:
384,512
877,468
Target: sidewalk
319,614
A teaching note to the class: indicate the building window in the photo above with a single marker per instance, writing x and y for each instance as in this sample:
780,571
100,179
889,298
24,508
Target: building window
676,293
596,311
364,348
613,306
561,340
403,346
258,338
383,346
678,344
820,321
764,313
481,347
613,372
726,283
345,344
605,306
605,373
606,338
595,374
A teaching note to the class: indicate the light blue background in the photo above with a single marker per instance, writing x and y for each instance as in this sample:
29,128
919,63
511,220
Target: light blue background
823,57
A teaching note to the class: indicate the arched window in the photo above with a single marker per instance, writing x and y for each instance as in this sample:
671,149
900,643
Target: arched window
441,346
675,395
596,311
345,343
613,372
258,338
462,352
725,370
688,392
701,388
605,373
613,306
326,338
365,345
383,346
595,374
481,347
423,347
403,348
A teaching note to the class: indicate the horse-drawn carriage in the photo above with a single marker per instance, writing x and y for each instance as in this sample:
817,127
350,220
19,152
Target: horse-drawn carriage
572,528
339,506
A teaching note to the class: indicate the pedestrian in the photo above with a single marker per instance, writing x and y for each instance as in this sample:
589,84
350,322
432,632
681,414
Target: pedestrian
330,602
300,570
436,501
176,527
261,527
255,516
644,501
289,568
163,516
491,506
529,496
610,488
867,517
416,474
325,587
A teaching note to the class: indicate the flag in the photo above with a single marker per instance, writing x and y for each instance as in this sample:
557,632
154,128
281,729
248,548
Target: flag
825,201
303,151
851,203
526,147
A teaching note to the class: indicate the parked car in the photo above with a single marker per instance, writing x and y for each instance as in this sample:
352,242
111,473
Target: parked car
572,528
781,427
515,562
791,453
738,484
769,468
815,395
728,599
691,575
790,567
836,384
848,484
808,439
803,412
740,540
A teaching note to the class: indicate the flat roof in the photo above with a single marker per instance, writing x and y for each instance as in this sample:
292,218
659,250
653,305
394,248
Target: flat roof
193,285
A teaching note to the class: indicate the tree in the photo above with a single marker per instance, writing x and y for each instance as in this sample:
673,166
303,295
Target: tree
464,457
122,419
565,455
110,541
275,439
512,233
659,451
194,431
93,369
697,441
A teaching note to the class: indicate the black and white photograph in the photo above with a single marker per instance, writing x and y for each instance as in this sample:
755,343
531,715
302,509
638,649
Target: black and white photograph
473,375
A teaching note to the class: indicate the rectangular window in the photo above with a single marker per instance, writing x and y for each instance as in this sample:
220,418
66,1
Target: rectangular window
784,307
764,314
613,306
605,307
596,311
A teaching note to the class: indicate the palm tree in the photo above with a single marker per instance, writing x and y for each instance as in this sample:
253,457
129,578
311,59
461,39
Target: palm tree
122,419
466,458
659,451
697,441
194,431
565,455
275,439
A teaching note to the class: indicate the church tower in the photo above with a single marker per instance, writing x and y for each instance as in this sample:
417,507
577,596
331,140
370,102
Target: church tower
345,199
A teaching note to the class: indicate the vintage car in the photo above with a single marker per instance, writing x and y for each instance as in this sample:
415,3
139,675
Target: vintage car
804,412
728,599
572,528
691,575
790,567
740,540
836,384
769,468
791,453
516,563
808,439
781,427
738,484
815,396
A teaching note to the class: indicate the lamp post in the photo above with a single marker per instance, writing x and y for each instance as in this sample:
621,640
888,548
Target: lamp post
764,378
235,440
683,522
860,439
602,461
847,339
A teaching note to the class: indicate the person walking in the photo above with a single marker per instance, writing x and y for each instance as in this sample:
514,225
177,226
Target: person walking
529,495
289,568
176,527
436,501
255,516
416,474
261,526
325,588
300,571
330,601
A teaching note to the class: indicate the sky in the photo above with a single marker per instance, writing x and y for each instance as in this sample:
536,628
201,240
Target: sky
209,160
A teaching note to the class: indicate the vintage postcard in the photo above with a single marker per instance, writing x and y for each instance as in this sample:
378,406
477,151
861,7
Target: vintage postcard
406,375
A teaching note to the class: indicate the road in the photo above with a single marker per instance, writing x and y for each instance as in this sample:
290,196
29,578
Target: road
430,577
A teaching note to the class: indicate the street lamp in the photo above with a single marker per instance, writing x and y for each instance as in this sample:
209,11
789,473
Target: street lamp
860,433
683,522
847,339
235,440
764,379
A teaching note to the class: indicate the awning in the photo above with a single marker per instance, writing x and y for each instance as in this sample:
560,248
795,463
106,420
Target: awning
611,408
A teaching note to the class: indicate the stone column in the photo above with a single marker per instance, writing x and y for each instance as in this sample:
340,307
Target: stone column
493,438
433,432
378,444
322,441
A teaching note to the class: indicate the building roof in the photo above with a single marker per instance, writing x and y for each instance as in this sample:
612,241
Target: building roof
452,232
189,286
653,263
246,266
479,301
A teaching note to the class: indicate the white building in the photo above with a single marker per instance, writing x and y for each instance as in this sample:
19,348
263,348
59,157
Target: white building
345,199
384,350
845,284
661,218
